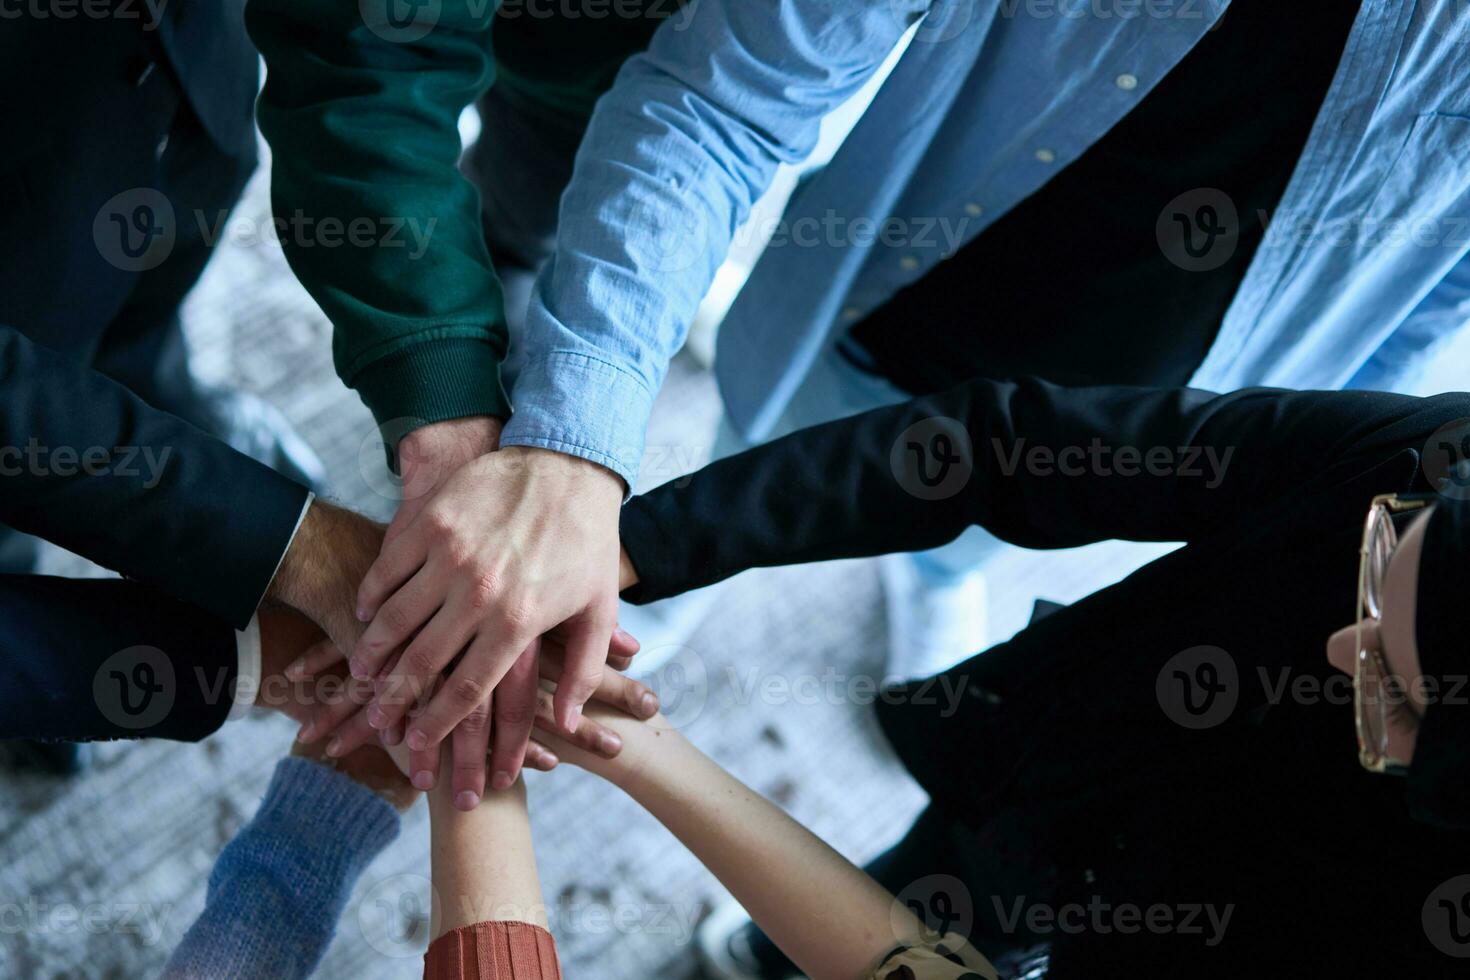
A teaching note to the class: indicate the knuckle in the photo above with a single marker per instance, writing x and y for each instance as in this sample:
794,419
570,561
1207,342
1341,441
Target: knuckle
475,722
396,618
466,690
482,591
518,615
420,660
633,696
516,714
438,522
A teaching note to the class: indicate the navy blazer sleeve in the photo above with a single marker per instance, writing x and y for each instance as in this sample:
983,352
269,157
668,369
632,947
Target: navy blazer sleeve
90,659
88,465
1036,464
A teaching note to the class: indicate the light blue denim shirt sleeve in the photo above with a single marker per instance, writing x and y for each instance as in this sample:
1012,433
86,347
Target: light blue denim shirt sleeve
689,137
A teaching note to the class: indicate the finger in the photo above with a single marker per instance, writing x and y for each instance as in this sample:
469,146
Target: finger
469,743
586,656
589,736
392,735
425,659
613,689
317,658
515,712
335,699
353,734
423,762
479,671
396,620
624,693
540,758
396,564
623,645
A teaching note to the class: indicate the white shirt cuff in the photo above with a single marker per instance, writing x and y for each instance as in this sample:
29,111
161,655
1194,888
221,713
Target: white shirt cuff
247,675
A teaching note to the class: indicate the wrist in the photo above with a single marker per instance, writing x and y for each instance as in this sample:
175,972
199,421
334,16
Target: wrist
552,469
650,759
627,574
323,567
455,440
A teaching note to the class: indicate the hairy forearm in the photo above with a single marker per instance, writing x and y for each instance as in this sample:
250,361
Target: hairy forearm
322,569
824,912
484,865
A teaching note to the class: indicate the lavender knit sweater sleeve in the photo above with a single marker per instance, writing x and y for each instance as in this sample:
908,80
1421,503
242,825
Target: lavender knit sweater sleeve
277,890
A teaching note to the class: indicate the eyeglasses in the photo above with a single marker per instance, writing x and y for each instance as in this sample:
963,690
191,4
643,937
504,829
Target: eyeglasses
1372,681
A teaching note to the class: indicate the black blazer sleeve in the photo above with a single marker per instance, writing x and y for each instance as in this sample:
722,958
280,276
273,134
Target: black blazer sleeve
87,465
1035,464
103,658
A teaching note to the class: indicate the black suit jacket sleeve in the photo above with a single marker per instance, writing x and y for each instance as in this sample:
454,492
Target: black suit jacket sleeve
86,464
96,659
1035,464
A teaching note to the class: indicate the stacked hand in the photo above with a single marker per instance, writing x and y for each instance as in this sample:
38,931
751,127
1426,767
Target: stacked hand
500,568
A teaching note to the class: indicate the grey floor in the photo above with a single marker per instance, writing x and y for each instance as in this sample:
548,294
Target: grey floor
102,874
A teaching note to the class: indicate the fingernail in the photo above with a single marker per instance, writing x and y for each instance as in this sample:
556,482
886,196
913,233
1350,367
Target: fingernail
417,740
609,744
377,717
358,669
307,731
423,779
574,718
649,704
390,736
334,747
467,800
295,669
362,614
501,781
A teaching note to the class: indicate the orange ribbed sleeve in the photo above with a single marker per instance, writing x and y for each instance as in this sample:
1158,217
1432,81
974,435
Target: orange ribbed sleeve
493,951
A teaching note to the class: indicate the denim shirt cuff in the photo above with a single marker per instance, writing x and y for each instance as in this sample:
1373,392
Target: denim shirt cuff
584,406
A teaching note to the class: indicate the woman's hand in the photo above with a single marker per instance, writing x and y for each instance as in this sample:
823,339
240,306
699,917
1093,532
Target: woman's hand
642,741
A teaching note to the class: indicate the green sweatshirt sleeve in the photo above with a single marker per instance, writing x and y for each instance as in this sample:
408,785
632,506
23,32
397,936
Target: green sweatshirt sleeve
361,108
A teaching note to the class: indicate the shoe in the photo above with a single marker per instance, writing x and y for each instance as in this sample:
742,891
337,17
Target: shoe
729,945
934,622
48,758
256,428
